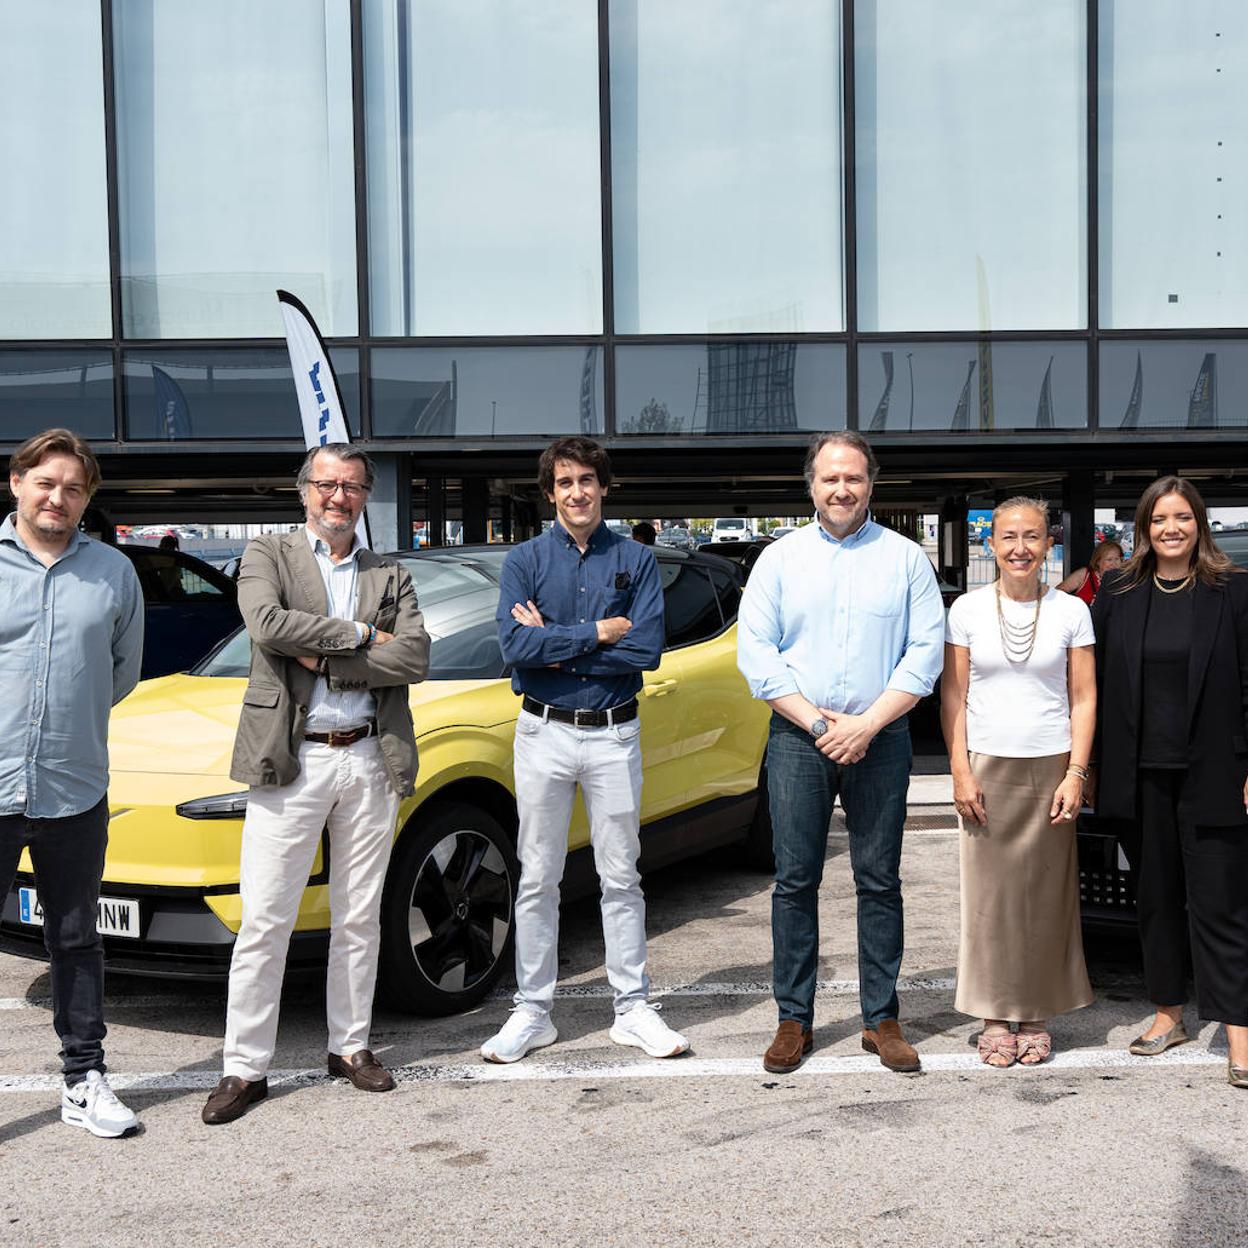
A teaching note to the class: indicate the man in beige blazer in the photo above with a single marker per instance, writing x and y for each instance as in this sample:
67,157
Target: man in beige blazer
325,740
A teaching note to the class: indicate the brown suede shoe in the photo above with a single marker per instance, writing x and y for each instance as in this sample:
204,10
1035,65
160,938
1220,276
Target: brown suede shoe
363,1069
231,1097
792,1043
888,1042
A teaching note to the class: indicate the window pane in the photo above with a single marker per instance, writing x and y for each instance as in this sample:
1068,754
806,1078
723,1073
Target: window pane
227,393
747,387
1173,98
235,165
1174,385
483,167
45,389
54,213
970,164
726,166
485,391
969,387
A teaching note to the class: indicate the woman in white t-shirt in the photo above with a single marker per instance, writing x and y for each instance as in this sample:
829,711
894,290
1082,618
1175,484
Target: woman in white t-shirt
1018,709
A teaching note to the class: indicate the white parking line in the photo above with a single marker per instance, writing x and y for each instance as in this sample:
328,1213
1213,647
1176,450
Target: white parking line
570,992
544,1070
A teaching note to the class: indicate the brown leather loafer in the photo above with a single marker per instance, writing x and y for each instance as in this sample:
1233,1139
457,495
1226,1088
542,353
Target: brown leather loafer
231,1097
363,1069
792,1043
890,1045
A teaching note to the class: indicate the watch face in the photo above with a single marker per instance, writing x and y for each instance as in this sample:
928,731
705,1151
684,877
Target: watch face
819,727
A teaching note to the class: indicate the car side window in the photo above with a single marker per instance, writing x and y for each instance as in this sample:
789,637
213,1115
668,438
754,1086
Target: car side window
728,583
691,609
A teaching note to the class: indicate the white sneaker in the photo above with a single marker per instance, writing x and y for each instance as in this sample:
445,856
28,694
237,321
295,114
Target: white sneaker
91,1103
523,1032
642,1028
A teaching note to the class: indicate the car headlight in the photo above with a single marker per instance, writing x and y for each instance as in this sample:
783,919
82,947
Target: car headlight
219,806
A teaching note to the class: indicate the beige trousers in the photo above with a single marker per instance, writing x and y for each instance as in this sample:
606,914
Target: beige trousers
347,790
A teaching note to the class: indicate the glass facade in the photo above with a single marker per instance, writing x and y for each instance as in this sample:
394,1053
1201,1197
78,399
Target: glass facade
635,218
54,211
235,165
179,394
486,391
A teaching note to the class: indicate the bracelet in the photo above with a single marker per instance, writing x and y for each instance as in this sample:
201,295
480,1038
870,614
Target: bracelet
322,666
372,634
1075,770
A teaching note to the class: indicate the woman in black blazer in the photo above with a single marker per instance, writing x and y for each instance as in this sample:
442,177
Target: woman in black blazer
1172,750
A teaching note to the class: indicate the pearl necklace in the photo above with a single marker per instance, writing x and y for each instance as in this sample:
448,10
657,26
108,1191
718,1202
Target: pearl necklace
1018,640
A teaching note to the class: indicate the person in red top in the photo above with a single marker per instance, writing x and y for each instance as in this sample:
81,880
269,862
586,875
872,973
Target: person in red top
1084,582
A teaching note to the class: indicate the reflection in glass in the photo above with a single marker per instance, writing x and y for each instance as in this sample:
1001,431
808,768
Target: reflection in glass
175,395
44,389
1174,385
1173,98
483,167
748,387
970,164
972,387
437,392
236,171
726,166
54,213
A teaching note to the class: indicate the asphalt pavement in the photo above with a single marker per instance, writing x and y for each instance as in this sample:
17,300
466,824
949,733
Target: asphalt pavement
588,1143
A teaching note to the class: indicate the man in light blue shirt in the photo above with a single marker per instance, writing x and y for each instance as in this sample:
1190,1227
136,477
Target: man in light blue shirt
71,643
841,632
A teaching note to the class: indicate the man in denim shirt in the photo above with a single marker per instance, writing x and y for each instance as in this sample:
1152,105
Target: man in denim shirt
841,632
71,643
580,617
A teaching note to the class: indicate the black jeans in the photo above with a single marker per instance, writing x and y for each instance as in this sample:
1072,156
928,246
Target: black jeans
1190,882
68,857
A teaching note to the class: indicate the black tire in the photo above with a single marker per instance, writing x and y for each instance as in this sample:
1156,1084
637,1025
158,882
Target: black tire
448,913
757,851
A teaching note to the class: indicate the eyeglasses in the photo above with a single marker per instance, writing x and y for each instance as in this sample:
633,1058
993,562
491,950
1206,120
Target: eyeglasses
327,489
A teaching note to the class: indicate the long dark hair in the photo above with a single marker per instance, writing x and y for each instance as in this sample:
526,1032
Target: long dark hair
1209,562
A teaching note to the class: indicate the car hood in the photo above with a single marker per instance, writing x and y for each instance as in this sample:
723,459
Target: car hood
185,725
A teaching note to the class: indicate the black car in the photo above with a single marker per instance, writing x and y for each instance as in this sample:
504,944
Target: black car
189,606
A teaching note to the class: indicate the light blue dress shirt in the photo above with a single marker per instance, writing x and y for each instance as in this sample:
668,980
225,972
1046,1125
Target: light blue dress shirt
71,645
841,621
342,710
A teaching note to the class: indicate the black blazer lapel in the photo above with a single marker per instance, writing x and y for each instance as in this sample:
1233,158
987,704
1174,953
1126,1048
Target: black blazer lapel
1134,608
1207,609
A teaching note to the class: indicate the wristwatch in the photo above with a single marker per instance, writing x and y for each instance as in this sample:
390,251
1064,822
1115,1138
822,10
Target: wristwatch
819,727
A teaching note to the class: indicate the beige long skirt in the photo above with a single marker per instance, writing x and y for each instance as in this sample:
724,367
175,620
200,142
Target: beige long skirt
1021,951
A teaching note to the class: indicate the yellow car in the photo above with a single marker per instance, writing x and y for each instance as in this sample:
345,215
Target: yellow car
170,903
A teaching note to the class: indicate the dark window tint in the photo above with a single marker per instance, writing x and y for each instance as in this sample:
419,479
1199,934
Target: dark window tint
43,389
692,612
170,577
728,584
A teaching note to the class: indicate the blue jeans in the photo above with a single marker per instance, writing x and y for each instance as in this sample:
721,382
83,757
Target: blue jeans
803,785
68,857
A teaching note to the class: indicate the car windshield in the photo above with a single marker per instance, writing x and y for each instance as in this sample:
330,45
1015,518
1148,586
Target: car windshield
730,524
458,595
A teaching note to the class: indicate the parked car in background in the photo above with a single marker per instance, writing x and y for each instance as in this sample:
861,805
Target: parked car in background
732,529
675,537
745,553
781,530
170,895
189,607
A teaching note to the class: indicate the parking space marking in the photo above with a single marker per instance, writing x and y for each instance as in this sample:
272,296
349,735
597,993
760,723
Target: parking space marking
545,1071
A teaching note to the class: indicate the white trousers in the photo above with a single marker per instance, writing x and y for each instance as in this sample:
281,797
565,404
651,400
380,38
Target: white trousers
347,790
551,759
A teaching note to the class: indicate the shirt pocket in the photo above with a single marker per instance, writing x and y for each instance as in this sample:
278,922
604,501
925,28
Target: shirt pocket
882,596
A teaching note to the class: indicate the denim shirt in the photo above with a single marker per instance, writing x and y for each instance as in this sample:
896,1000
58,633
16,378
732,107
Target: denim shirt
71,645
840,621
615,576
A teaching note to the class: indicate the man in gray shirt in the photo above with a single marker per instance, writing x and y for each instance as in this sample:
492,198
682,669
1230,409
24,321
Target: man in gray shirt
71,643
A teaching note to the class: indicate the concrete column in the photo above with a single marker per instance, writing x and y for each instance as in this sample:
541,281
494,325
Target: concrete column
1078,520
436,488
390,504
951,541
475,492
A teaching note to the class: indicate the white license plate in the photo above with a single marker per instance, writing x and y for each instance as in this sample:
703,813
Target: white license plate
114,916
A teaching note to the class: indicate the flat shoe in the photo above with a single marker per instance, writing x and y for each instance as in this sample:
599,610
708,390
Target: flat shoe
1159,1044
1236,1076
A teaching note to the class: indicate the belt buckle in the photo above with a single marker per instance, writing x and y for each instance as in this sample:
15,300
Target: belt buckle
576,718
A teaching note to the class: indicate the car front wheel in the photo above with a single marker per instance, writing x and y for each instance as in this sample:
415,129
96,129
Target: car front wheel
448,914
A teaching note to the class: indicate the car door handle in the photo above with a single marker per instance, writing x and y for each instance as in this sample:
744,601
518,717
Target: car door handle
659,687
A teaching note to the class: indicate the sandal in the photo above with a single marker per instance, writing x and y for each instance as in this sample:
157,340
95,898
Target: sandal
991,1043
1036,1045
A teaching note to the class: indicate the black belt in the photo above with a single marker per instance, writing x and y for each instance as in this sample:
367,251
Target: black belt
348,736
583,718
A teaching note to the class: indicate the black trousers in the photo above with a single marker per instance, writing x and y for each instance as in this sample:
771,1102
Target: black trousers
68,857
1190,882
